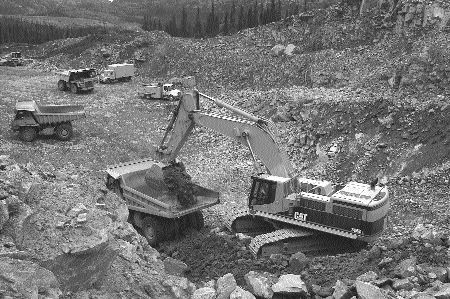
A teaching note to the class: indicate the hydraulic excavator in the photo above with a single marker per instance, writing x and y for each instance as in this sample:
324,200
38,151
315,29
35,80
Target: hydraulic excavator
286,212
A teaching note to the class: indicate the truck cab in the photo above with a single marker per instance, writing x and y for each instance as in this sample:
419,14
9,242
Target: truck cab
76,80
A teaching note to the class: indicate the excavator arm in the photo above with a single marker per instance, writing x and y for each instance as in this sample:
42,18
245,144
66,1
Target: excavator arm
247,129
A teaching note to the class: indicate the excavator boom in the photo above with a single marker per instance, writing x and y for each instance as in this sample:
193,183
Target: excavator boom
247,129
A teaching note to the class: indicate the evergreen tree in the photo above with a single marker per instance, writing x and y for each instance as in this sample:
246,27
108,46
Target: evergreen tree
184,23
255,14
278,15
232,23
225,27
241,20
198,25
272,11
249,18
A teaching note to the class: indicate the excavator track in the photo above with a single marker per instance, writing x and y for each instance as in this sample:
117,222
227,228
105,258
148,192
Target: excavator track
289,241
267,240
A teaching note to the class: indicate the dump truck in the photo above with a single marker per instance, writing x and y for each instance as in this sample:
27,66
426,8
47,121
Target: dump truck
153,208
286,212
12,59
117,72
32,118
159,91
76,80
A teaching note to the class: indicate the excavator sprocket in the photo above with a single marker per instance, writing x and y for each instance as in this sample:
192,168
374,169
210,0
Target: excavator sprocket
242,221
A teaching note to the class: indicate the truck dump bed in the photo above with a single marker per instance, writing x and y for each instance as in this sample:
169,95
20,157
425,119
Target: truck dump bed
141,197
47,114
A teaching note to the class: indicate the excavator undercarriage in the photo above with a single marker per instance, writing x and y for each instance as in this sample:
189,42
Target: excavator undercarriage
270,236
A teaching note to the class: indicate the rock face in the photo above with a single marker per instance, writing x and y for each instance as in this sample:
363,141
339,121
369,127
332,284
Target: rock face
24,279
80,270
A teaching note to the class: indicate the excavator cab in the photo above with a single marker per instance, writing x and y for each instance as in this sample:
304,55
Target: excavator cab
262,192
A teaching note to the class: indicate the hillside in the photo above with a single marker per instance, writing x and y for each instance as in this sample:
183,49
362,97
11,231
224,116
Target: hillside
350,97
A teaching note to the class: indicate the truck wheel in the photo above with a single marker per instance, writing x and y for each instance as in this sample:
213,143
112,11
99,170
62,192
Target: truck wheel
73,88
196,220
61,85
64,131
152,230
28,134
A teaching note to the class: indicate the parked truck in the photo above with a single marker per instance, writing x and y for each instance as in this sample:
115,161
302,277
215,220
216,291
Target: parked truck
160,91
32,118
117,72
76,80
154,208
12,59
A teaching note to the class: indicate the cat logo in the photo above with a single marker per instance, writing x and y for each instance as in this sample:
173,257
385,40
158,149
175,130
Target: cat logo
300,216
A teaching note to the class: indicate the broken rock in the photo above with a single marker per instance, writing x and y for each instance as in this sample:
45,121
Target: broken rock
298,261
174,266
291,285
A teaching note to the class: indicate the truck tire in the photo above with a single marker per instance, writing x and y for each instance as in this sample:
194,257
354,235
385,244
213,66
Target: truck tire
64,131
61,85
152,230
28,134
73,88
196,220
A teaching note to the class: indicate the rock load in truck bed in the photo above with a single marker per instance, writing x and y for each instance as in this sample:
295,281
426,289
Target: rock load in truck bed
176,180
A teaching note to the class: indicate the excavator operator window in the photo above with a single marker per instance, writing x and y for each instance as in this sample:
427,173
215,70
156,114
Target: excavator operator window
263,192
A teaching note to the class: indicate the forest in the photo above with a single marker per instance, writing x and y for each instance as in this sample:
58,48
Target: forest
212,23
19,30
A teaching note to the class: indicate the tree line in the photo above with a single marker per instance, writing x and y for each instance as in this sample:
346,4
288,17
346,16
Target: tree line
17,30
232,20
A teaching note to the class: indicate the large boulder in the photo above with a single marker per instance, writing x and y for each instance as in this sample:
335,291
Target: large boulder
368,291
277,50
225,286
204,293
290,50
444,292
240,293
290,285
406,268
180,288
260,284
